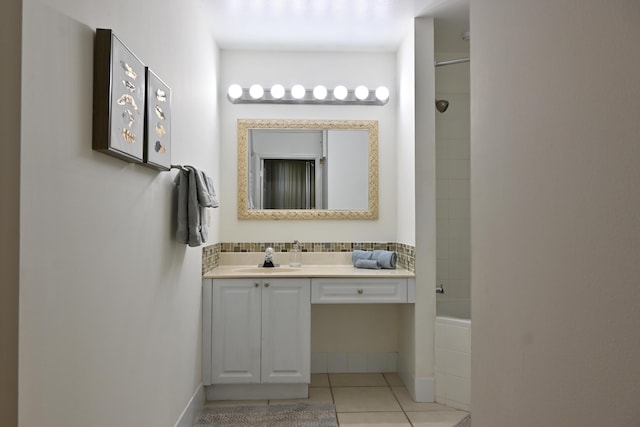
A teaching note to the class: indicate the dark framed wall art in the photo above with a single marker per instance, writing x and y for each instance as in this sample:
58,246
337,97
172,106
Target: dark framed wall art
157,145
118,99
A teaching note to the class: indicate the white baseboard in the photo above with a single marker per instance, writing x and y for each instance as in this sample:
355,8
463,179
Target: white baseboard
421,389
344,362
425,389
195,405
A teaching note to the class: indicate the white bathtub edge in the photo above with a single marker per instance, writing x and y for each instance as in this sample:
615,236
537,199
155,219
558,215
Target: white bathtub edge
456,321
453,379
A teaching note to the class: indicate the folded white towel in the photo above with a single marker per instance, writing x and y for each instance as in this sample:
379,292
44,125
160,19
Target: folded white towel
212,192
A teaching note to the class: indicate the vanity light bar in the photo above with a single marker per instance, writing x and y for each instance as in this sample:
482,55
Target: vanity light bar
319,95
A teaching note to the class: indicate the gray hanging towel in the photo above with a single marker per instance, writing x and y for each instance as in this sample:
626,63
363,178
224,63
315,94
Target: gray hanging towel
195,194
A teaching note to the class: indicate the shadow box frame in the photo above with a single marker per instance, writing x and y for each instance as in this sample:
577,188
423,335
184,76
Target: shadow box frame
119,90
157,136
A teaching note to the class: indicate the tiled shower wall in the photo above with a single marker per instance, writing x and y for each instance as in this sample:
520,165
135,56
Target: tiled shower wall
453,249
211,254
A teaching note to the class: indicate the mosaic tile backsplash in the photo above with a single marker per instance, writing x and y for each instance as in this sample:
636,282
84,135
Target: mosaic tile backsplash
211,254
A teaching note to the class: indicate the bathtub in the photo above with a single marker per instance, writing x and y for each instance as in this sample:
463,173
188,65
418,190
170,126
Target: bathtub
453,355
456,308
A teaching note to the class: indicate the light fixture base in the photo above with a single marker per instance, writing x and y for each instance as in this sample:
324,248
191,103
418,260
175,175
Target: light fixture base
308,98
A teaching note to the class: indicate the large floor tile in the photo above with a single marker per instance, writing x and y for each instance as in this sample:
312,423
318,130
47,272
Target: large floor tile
393,379
357,380
377,419
316,395
319,380
436,418
365,399
408,404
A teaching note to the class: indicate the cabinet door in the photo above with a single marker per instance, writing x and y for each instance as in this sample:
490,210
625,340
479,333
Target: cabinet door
286,331
236,331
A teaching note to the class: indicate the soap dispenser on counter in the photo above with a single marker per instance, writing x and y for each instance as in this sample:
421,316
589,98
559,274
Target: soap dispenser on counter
295,258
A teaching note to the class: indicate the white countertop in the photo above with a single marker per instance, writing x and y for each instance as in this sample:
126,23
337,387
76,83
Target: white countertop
342,270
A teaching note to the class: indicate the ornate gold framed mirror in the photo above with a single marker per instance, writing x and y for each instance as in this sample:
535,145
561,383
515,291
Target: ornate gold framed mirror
307,169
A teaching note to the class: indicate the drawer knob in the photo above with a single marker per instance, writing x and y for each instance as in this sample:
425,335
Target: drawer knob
256,285
360,291
266,285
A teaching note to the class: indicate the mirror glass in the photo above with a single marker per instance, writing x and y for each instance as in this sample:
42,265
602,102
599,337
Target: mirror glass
307,169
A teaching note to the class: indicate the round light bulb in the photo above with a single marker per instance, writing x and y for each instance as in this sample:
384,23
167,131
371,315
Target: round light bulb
234,91
256,91
382,93
340,92
320,92
298,91
277,91
362,93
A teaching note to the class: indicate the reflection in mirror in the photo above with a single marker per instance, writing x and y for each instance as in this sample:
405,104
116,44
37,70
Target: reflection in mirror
307,169
286,184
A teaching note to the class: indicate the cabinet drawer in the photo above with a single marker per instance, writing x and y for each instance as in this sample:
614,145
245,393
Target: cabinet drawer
358,291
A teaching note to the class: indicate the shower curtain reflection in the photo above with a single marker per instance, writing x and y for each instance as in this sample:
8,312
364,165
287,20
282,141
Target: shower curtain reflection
288,184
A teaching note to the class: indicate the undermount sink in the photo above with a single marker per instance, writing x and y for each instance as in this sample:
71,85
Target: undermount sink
266,270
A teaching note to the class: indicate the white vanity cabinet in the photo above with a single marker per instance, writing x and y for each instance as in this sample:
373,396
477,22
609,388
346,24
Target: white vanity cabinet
257,331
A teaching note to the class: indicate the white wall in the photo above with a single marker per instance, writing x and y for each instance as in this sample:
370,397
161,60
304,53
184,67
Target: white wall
406,186
453,269
555,103
425,180
308,69
356,328
109,303
10,30
405,144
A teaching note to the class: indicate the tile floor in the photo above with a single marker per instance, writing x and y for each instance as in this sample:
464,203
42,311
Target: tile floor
361,400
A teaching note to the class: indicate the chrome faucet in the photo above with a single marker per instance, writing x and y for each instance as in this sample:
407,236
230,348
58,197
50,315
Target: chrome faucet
268,258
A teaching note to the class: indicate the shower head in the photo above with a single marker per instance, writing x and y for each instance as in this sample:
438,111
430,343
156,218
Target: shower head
442,105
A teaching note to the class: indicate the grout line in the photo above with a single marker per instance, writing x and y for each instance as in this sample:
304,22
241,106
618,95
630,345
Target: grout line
398,400
388,386
333,399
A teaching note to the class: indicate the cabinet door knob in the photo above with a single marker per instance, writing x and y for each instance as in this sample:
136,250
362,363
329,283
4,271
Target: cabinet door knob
266,285
256,285
360,291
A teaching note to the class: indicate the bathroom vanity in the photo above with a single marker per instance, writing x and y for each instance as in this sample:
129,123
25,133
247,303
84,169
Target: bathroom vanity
257,322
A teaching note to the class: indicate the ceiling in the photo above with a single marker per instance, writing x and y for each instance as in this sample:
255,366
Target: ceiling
333,25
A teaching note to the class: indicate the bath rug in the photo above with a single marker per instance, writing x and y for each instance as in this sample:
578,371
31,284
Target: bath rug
465,422
293,415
